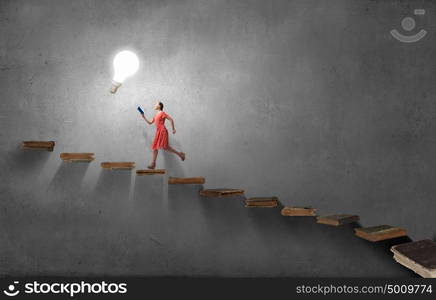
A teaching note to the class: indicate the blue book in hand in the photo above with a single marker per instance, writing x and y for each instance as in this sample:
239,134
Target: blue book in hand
140,110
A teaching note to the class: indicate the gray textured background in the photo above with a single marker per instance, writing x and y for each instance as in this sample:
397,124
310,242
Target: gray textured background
310,101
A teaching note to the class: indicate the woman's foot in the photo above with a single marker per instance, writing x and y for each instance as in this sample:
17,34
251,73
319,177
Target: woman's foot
152,166
182,156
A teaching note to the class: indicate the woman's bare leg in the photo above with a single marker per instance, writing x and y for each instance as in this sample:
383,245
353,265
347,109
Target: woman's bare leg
153,162
180,154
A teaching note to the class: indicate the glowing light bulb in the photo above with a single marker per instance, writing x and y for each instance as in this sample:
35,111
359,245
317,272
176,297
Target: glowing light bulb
126,63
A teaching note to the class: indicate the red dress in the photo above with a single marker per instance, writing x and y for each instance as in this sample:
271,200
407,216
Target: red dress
161,138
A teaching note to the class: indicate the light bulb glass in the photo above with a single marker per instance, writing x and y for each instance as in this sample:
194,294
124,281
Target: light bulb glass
126,63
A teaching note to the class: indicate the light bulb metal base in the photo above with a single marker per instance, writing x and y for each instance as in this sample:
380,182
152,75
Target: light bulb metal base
114,87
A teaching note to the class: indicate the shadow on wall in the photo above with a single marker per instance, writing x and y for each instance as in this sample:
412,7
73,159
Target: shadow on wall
111,237
383,250
228,210
113,187
110,197
22,170
387,244
25,161
68,178
148,249
383,246
186,227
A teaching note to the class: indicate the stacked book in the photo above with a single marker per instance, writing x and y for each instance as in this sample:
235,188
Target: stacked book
38,145
262,202
293,211
221,192
337,220
380,233
419,256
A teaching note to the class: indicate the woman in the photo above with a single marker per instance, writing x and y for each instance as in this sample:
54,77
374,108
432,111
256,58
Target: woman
161,138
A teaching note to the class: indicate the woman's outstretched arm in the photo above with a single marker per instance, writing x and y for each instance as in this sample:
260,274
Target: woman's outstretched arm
146,120
172,123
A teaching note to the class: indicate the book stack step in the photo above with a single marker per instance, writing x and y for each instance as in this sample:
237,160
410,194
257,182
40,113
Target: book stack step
379,233
150,172
221,192
186,180
293,211
419,256
262,202
125,165
337,220
77,157
38,145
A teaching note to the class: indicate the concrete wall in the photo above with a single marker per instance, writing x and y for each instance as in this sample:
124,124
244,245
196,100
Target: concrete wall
311,101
